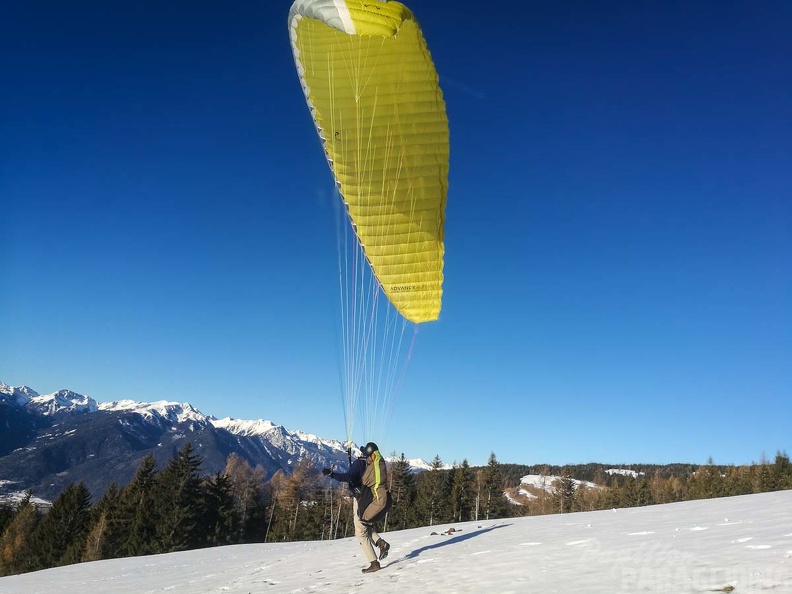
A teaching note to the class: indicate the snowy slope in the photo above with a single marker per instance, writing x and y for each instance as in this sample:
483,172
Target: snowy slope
698,546
624,472
549,482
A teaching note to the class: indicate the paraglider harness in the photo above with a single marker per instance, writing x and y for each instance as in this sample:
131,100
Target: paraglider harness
364,497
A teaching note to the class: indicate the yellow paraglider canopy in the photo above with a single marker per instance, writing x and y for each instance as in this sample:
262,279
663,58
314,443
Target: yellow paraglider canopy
374,96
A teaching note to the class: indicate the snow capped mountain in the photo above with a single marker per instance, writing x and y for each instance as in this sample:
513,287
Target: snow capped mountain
311,438
55,439
62,401
47,404
161,411
19,396
416,464
281,443
52,440
278,435
292,448
246,428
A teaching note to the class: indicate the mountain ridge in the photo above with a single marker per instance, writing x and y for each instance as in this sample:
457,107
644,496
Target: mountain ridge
55,439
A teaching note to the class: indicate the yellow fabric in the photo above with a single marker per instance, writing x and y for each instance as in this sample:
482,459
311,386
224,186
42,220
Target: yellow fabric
377,477
379,110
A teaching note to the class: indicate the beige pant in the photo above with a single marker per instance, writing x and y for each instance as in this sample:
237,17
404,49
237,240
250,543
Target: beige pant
365,535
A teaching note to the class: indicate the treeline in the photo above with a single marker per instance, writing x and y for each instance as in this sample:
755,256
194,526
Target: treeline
706,481
596,472
159,511
178,508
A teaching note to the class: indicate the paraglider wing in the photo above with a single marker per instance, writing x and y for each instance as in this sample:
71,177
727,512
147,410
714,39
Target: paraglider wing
373,92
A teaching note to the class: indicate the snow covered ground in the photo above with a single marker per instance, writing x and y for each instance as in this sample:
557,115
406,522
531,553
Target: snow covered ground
738,544
10,495
549,482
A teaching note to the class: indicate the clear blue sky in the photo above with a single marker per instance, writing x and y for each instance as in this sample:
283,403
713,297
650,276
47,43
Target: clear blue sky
619,226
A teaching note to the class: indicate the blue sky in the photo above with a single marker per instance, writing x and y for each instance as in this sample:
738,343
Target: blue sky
618,280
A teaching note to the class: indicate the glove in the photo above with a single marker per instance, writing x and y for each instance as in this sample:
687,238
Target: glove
327,471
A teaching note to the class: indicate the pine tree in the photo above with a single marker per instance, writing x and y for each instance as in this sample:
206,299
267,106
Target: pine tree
178,503
706,482
135,527
614,497
763,479
254,528
107,511
16,546
462,492
220,516
564,493
6,515
403,492
64,528
76,550
446,508
429,496
738,481
782,472
643,492
629,493
494,504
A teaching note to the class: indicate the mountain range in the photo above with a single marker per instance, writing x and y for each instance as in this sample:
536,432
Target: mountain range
48,441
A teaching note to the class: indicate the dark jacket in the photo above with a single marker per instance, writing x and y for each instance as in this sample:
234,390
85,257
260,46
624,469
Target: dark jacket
354,476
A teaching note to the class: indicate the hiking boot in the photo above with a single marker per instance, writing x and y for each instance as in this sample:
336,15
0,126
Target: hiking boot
375,566
384,547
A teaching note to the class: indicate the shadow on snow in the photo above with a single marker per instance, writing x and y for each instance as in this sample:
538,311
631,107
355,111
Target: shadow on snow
450,541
